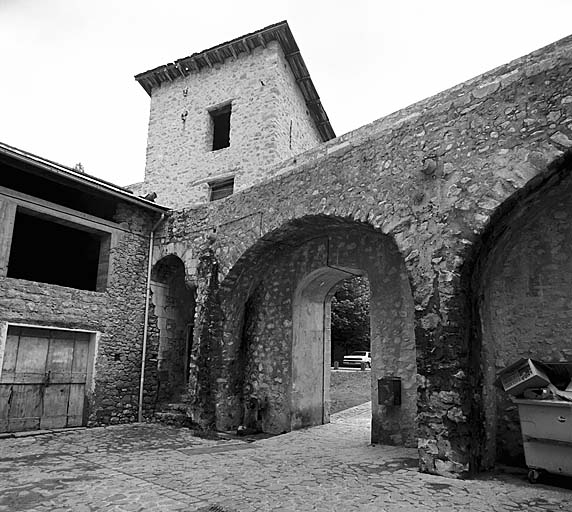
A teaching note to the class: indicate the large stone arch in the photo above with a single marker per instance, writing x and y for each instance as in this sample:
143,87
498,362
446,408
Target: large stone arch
519,283
274,348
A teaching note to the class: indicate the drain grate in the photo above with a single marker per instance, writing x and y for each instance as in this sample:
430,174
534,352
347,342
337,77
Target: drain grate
214,508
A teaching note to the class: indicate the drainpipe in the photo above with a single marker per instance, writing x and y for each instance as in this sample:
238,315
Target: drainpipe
324,319
146,321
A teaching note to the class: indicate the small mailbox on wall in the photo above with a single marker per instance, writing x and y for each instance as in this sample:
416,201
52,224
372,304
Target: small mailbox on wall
389,391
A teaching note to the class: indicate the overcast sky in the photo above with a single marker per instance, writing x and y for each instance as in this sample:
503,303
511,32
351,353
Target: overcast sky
67,91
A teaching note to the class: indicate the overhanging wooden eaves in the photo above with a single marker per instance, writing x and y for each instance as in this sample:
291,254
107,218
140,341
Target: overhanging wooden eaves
60,173
279,32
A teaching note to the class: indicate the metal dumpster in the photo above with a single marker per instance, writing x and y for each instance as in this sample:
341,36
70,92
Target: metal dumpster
547,436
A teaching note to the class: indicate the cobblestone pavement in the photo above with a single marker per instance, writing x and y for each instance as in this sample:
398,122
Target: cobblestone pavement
326,468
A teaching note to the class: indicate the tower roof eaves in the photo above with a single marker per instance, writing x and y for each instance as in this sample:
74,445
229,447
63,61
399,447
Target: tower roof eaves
279,32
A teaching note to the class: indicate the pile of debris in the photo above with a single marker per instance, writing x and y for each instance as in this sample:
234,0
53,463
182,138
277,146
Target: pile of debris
536,380
543,394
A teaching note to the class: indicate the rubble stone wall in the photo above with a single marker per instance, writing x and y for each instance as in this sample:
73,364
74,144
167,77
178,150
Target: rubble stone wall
430,177
269,123
117,313
526,308
296,129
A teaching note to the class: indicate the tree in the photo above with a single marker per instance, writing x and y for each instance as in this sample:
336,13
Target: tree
79,167
350,317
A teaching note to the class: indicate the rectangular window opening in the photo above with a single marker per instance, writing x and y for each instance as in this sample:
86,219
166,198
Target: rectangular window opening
48,251
221,127
221,189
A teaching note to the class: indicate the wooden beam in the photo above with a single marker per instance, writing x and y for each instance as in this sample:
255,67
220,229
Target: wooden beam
206,57
7,217
245,44
262,41
232,51
64,215
181,68
147,85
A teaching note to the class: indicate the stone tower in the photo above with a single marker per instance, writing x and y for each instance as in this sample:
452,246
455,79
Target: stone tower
220,119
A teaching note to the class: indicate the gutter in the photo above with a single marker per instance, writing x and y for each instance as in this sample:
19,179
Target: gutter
146,321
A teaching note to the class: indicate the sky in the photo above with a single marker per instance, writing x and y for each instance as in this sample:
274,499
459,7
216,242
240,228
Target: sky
67,91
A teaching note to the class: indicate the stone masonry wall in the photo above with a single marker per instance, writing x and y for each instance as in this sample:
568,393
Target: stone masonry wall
265,101
116,313
527,304
430,177
296,129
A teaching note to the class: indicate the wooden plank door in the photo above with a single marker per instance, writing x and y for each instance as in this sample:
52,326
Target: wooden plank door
23,373
42,383
76,415
57,383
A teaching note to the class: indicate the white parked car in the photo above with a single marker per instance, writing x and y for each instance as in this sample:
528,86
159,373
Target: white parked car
357,358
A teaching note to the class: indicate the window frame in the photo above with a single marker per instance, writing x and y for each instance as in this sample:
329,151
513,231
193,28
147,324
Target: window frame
12,201
218,129
221,185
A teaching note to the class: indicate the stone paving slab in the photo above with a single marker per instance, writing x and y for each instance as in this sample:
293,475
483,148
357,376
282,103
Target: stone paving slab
328,468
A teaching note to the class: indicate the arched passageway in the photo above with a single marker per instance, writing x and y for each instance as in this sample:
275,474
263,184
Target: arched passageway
275,306
311,345
522,301
173,310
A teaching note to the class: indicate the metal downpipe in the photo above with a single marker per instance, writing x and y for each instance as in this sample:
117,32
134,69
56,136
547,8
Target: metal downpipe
146,321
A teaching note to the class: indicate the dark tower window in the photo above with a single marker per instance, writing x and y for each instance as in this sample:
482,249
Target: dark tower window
221,189
221,127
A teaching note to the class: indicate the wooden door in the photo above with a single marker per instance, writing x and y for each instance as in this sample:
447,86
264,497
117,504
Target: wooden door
43,379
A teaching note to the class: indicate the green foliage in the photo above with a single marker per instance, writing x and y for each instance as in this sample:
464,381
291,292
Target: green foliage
350,317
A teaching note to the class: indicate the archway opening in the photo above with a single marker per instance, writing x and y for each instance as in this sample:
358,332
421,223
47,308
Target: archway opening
174,310
275,304
311,347
522,293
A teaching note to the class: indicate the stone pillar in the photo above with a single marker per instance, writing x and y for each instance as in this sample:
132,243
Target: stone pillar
204,364
444,403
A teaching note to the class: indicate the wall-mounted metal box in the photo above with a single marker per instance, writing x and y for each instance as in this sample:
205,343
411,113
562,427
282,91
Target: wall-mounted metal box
389,391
